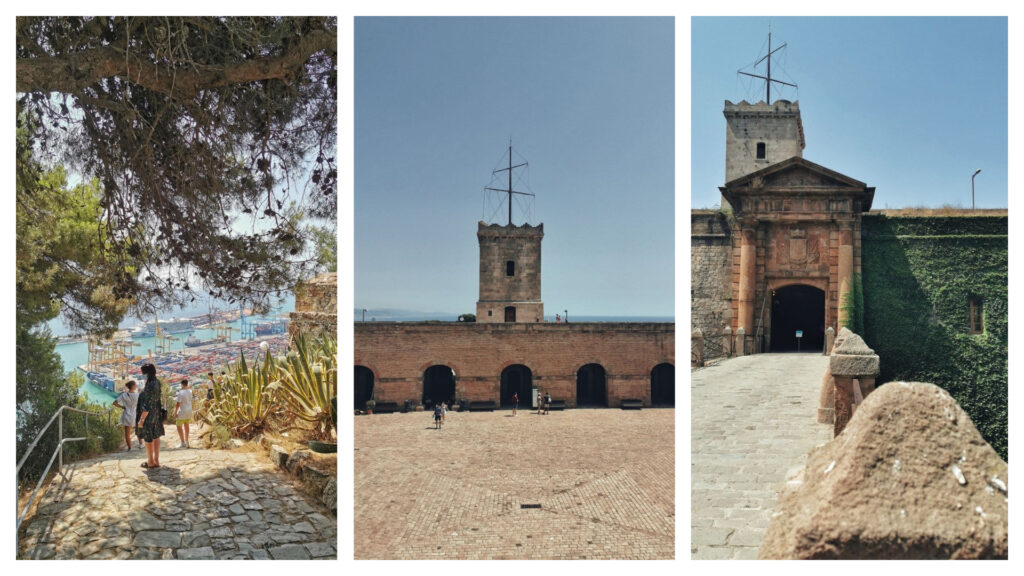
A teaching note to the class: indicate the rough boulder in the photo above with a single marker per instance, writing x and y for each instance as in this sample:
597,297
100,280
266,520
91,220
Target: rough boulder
909,477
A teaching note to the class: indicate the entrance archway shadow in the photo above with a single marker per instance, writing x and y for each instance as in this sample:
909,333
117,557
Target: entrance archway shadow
798,308
516,379
362,386
438,385
663,386
591,387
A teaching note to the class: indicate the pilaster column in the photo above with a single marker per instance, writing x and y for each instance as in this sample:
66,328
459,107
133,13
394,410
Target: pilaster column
748,263
845,278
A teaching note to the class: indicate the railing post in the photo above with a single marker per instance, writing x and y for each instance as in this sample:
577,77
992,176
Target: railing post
741,341
60,440
830,336
697,343
727,341
851,359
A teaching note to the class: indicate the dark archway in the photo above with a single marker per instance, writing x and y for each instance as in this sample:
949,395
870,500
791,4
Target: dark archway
663,385
362,386
798,307
591,386
516,379
438,385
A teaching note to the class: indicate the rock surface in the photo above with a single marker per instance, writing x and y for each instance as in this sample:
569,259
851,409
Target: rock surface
889,486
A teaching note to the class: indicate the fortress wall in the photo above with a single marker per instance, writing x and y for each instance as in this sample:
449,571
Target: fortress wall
399,353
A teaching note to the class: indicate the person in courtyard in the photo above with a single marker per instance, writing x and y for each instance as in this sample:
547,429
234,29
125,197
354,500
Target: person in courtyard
183,412
150,420
515,403
127,402
547,402
444,411
540,402
437,416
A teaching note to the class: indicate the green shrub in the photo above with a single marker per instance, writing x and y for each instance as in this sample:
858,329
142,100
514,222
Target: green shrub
307,379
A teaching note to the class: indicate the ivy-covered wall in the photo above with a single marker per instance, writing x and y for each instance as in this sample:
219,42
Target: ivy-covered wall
919,274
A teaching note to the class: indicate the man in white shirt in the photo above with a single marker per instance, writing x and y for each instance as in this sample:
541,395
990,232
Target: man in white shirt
183,412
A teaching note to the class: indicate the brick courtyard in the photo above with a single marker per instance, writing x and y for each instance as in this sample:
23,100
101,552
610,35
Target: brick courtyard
605,480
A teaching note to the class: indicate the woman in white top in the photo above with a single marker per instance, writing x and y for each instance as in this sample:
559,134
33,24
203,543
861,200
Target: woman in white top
127,402
183,412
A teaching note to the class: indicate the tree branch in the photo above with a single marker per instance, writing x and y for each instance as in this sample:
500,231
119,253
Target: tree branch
69,74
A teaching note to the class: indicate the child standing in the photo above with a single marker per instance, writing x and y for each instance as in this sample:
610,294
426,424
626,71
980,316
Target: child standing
127,402
183,412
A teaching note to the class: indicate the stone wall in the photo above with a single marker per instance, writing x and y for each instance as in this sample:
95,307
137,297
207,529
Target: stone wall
710,272
399,353
777,125
520,246
316,307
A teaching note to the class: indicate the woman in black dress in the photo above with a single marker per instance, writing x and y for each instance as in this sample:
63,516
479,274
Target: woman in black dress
150,419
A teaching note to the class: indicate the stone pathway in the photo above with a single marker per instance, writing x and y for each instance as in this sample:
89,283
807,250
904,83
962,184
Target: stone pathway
753,421
575,484
200,504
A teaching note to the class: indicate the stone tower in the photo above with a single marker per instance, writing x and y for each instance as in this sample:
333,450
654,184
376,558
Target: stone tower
509,273
759,135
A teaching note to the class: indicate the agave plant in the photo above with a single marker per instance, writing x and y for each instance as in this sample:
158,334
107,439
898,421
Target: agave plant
245,402
308,379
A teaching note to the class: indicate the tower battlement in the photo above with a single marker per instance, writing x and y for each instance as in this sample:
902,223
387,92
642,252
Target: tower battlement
509,273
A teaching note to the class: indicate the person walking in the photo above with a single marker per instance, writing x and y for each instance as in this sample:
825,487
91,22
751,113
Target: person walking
547,402
150,417
437,416
444,412
127,402
515,403
183,412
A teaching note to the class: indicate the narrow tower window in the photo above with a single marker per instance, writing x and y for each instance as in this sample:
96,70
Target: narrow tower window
760,150
975,317
510,268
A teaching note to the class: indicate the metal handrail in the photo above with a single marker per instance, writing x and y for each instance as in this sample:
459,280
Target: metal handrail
58,453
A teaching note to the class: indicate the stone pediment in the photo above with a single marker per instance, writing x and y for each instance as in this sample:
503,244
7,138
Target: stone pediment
796,172
797,177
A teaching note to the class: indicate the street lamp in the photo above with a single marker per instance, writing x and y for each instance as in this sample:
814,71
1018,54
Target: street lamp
976,172
364,314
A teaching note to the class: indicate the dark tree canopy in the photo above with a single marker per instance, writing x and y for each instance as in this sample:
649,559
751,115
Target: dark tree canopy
210,138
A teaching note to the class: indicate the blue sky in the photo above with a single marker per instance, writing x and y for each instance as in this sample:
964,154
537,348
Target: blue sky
589,102
912,106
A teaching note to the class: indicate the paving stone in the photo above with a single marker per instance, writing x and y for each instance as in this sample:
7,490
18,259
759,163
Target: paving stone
204,553
259,554
110,508
158,539
753,422
221,532
195,538
601,496
289,552
145,521
320,549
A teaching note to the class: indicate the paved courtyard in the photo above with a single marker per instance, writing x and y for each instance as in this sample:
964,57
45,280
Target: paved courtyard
200,504
754,419
604,480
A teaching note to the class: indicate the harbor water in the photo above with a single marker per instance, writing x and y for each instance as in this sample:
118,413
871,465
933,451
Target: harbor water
76,354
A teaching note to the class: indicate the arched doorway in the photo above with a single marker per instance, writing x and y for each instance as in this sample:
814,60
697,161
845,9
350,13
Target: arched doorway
362,386
798,307
516,379
591,388
663,385
438,385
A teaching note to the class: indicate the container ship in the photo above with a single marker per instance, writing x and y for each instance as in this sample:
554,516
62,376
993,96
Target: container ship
172,326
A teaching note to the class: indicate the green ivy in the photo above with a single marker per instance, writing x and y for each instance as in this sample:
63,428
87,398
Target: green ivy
918,276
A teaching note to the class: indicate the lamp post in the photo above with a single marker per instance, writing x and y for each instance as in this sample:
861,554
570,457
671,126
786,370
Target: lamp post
976,172
364,314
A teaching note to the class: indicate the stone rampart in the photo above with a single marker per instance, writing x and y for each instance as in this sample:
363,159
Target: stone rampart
316,307
398,354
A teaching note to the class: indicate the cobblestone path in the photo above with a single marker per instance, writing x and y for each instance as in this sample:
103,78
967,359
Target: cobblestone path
200,504
754,419
603,481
